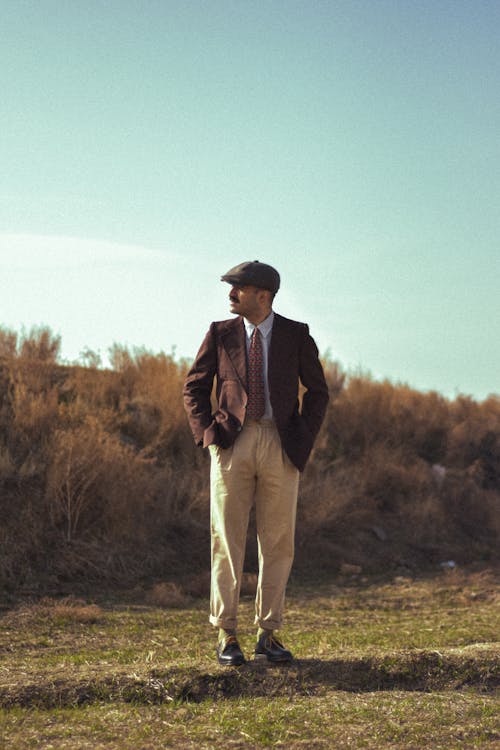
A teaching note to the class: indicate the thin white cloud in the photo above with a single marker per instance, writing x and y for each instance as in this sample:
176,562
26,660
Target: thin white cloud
18,251
94,292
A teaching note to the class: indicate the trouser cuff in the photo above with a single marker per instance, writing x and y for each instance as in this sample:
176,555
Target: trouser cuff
220,622
268,624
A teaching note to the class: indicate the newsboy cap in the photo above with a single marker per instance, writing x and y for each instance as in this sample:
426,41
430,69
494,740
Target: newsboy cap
253,273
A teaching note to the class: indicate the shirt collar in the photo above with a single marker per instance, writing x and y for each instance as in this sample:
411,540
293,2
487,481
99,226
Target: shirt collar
265,327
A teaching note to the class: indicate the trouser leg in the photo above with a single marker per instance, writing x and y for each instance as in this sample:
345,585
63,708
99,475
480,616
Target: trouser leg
232,490
276,505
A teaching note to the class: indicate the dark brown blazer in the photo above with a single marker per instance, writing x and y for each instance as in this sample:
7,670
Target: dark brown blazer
293,356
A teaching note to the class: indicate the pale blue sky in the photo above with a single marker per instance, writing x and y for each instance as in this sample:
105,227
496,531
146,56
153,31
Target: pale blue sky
146,147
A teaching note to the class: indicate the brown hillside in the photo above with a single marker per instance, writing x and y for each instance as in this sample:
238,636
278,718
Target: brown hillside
100,479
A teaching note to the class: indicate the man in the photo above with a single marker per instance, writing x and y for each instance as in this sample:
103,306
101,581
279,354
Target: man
259,441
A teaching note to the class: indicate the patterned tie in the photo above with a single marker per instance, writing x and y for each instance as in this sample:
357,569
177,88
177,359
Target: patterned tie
256,404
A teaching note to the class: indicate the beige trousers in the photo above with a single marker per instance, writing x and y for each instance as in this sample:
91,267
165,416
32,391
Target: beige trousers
254,470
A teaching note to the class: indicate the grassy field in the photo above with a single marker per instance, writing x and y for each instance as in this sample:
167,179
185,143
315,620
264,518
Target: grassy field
399,663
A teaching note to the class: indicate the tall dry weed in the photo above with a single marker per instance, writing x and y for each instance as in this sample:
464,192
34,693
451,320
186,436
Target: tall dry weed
95,483
40,344
100,479
8,343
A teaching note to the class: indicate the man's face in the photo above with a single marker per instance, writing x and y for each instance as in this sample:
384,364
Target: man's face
245,300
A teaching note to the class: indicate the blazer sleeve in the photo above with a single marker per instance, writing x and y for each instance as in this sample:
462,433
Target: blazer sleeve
315,398
198,387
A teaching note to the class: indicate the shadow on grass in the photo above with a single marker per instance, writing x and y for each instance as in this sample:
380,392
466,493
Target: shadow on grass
414,671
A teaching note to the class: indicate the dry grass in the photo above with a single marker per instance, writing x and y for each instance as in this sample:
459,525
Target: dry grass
167,594
386,663
63,610
100,479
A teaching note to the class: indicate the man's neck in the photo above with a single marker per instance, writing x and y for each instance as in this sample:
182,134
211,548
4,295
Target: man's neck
256,320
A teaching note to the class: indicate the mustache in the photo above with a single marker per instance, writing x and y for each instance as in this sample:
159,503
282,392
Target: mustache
233,299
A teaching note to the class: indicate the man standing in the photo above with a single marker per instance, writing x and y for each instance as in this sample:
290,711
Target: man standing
259,441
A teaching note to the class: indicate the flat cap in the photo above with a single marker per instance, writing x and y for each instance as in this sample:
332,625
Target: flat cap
254,273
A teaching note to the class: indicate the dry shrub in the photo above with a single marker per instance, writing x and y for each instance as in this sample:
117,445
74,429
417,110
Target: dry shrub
7,466
335,377
181,494
471,586
40,344
34,403
8,343
155,416
100,478
367,413
347,569
86,390
141,422
100,469
198,585
388,506
248,584
67,609
327,495
394,480
71,609
472,511
72,476
474,441
93,481
167,594
426,522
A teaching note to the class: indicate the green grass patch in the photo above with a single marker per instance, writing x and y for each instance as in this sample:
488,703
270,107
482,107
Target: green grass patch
400,664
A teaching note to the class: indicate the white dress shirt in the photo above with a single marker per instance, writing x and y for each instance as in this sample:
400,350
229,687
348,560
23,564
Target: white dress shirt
265,329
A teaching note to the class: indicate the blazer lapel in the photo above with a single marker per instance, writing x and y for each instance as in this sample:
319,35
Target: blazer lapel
233,340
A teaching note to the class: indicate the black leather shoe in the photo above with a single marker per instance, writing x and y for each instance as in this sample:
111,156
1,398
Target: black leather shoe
229,653
268,647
